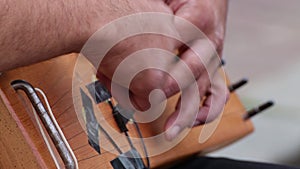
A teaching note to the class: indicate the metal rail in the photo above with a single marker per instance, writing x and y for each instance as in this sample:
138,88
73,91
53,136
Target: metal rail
47,121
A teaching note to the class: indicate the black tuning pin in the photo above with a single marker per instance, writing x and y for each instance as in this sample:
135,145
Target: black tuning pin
119,118
258,110
237,85
223,62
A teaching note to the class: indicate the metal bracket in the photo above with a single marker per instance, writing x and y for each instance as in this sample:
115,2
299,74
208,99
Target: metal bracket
47,122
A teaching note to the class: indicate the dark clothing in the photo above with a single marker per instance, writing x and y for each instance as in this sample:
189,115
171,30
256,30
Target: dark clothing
223,163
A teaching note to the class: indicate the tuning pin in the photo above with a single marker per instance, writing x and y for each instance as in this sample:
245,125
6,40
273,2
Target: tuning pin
237,85
258,109
222,63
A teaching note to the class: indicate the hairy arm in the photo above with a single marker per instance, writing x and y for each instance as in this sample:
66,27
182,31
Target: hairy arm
32,31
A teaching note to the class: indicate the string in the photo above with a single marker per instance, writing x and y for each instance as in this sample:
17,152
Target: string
57,126
110,139
72,122
145,151
129,140
61,97
61,114
139,133
109,118
142,140
102,153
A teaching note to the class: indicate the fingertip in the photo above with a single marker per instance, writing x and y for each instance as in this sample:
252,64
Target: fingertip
173,132
202,116
170,126
170,121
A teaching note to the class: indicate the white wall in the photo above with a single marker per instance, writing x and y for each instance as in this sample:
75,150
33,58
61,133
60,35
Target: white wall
263,44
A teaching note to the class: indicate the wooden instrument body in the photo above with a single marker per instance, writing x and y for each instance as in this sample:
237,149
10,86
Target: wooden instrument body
22,145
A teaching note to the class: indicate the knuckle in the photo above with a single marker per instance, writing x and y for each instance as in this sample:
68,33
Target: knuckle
146,81
171,87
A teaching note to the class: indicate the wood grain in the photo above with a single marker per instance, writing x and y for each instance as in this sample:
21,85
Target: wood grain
15,150
55,78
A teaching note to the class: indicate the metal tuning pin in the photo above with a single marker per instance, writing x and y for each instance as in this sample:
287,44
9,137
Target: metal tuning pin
258,110
237,85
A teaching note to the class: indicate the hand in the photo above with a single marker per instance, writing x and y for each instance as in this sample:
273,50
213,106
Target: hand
147,80
210,17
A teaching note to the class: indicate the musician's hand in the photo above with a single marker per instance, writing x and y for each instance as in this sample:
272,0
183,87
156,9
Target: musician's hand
142,82
145,81
210,17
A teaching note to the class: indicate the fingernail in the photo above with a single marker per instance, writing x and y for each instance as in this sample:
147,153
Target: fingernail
172,132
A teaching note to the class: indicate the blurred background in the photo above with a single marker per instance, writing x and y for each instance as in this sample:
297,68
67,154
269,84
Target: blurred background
263,44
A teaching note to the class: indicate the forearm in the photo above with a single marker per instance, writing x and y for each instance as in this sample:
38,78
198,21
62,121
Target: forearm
32,31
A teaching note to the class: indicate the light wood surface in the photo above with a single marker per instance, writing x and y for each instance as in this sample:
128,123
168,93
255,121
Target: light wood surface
15,151
54,77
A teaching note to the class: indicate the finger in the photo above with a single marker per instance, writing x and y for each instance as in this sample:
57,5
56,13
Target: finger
176,4
173,117
198,13
203,88
185,113
191,65
214,103
128,99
